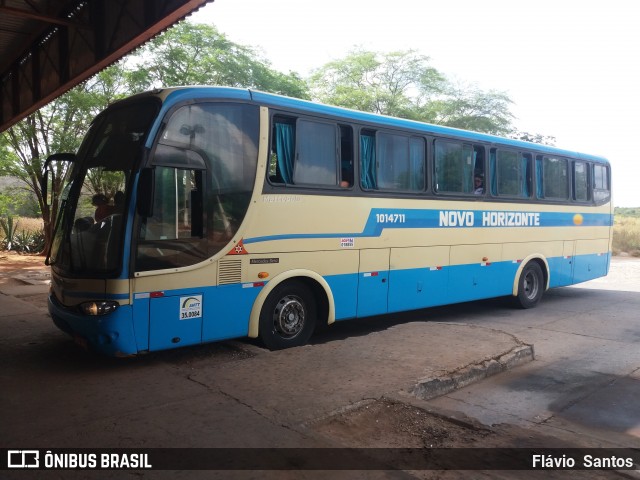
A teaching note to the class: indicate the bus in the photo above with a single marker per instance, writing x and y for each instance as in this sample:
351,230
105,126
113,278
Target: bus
221,213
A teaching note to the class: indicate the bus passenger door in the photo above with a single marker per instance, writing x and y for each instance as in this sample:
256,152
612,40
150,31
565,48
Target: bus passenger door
373,282
175,320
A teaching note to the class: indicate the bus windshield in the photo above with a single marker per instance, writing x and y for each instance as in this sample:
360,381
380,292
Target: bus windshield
88,239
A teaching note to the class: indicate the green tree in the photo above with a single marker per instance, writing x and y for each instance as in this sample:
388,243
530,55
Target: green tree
58,127
185,54
397,83
470,108
195,54
404,84
533,137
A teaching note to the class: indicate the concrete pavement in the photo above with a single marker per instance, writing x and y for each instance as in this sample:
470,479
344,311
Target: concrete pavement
584,380
52,388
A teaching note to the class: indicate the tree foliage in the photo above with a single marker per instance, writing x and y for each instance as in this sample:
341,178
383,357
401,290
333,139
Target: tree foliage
58,127
404,84
396,83
533,137
185,54
191,54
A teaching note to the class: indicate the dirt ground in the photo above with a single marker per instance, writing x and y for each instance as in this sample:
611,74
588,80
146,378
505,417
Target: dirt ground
393,423
13,264
384,422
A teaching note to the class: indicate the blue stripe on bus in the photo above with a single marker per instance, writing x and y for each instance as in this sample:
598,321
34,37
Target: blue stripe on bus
384,218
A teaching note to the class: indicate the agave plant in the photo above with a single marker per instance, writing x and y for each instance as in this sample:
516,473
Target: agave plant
9,229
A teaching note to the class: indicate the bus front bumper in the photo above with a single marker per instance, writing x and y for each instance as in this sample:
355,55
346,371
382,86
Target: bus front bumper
111,334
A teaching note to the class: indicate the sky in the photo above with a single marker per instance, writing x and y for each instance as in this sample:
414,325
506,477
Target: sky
571,67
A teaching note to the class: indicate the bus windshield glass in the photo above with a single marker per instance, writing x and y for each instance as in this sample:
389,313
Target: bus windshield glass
88,239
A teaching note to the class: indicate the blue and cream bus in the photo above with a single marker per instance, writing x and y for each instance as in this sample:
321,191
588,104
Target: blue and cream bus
234,213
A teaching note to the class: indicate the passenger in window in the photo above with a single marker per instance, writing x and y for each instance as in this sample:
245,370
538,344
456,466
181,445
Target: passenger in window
103,209
347,175
478,184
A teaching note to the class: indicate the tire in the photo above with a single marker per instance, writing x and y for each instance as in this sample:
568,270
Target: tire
288,316
530,286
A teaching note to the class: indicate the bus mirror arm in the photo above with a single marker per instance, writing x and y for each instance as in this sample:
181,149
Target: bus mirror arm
146,187
47,173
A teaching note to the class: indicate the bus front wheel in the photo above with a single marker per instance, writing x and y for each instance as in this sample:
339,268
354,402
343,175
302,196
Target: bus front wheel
530,286
288,316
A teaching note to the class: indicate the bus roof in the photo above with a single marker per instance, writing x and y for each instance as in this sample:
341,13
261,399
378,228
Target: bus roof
172,96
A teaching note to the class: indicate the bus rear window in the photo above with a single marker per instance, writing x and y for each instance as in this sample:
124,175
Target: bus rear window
601,185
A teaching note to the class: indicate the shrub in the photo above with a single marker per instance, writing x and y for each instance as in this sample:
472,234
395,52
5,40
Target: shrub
30,238
626,235
8,231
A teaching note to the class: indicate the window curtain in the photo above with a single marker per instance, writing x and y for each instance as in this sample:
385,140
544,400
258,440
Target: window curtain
368,174
285,151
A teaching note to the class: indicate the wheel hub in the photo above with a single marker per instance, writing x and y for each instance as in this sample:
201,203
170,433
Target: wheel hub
289,316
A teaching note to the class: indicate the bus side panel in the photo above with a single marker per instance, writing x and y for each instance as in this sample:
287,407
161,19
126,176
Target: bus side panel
419,277
591,260
344,289
141,321
373,282
175,320
227,311
476,272
561,267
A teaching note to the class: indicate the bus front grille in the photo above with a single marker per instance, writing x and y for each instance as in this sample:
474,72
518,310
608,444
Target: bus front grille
229,271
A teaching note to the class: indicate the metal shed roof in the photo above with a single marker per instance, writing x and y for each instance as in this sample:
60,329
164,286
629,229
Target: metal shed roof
49,46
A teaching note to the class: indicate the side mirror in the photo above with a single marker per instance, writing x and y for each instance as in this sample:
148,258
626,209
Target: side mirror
146,187
48,173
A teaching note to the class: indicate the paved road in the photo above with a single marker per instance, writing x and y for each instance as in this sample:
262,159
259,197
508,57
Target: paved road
585,380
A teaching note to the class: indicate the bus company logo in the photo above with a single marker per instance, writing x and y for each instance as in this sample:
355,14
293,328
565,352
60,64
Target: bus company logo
191,307
23,459
191,303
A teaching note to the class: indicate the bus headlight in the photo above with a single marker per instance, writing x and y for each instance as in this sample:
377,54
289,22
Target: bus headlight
98,308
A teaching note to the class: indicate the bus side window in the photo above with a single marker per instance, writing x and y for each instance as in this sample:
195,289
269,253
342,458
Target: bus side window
526,160
581,182
539,184
510,173
346,156
601,185
454,167
316,154
479,170
554,173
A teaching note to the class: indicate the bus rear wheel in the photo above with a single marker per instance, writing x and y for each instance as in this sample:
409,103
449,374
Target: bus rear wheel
530,286
288,316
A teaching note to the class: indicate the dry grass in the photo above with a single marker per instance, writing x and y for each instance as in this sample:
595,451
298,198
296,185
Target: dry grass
29,225
626,235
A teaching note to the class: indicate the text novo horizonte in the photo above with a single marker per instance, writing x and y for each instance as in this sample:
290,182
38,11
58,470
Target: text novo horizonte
465,218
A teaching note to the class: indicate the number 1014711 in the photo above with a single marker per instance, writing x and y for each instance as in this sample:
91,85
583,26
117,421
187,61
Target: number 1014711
390,217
